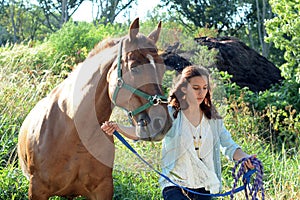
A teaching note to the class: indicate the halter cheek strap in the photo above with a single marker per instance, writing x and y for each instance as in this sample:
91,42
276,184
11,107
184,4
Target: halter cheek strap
153,100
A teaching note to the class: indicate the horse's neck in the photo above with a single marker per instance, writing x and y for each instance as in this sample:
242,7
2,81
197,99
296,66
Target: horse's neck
87,89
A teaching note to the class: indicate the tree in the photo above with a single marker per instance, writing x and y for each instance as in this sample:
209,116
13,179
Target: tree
262,8
284,31
58,12
108,10
23,20
240,18
217,14
20,20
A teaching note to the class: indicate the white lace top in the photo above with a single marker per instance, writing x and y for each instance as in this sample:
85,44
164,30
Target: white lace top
203,133
180,161
190,170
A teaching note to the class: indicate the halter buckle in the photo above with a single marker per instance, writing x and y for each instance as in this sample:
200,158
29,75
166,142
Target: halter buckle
156,100
120,82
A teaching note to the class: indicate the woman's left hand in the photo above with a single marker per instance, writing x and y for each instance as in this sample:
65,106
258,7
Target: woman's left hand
248,162
240,154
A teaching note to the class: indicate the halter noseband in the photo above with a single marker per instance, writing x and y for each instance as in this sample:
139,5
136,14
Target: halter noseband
153,100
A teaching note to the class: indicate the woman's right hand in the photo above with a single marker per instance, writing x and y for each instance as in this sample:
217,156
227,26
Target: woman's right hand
128,131
109,127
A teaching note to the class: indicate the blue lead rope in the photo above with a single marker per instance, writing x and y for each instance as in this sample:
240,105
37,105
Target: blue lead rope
246,175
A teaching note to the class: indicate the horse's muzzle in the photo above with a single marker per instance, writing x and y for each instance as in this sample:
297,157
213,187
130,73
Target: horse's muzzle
153,128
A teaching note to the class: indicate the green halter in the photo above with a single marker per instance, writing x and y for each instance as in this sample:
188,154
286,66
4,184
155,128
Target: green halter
153,100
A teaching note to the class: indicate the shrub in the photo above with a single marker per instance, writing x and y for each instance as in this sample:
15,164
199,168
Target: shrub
75,40
276,108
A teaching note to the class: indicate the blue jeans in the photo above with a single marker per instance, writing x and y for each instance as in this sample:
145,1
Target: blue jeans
176,193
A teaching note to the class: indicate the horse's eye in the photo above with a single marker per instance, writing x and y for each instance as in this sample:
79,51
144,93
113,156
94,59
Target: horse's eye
133,64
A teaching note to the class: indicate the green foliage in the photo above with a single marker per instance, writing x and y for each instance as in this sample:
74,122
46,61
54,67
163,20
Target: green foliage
206,32
8,140
168,80
13,185
284,31
280,95
278,109
39,59
4,36
212,14
75,40
285,124
130,181
21,21
172,32
204,57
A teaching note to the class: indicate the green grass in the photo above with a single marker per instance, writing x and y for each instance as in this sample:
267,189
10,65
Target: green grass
22,84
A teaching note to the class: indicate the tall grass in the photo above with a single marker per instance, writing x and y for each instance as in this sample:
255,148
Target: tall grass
23,82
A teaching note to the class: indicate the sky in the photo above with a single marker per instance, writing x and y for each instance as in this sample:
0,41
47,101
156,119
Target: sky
84,12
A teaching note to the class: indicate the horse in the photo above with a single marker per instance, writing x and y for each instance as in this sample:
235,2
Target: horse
61,147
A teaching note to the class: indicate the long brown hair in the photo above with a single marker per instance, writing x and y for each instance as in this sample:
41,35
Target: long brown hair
177,100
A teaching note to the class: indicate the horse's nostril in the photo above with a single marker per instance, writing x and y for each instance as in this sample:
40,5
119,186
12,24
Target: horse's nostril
157,124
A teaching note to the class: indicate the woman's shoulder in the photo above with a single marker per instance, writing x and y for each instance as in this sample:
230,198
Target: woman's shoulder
216,122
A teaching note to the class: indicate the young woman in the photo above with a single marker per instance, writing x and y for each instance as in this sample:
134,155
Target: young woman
191,148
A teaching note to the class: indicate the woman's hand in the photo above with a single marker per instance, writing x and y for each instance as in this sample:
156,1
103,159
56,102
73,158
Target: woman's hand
240,154
109,127
128,131
248,162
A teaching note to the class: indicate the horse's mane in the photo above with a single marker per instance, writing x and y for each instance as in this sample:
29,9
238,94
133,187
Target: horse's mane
106,43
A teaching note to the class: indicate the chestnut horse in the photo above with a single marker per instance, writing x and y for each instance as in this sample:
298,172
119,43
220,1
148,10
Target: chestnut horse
62,149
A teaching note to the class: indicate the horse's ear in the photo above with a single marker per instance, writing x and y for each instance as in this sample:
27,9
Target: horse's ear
134,29
154,35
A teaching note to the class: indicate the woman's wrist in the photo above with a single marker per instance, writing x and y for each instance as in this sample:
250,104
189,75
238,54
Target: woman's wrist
239,154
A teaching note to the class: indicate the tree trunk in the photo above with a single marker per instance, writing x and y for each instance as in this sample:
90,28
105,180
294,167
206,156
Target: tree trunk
64,12
266,46
12,18
260,37
250,35
261,16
